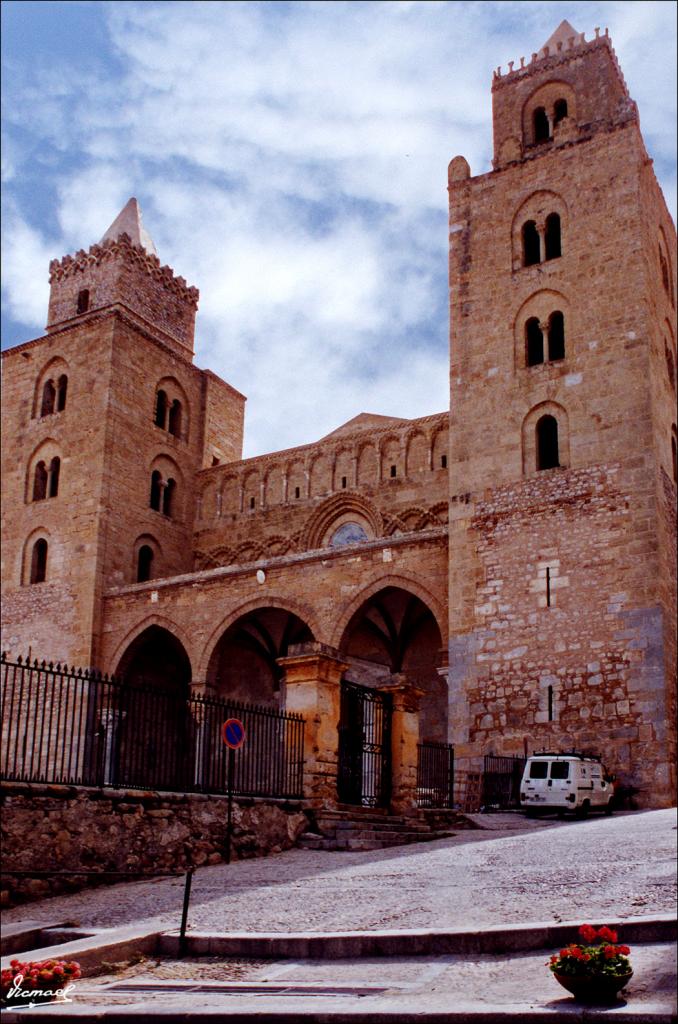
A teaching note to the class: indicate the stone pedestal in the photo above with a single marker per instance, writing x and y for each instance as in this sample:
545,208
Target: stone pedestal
404,740
313,673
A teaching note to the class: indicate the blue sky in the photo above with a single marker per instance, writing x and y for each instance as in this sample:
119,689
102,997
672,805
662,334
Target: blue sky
290,161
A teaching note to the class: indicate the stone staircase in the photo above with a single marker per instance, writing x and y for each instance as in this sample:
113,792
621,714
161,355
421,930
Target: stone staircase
367,828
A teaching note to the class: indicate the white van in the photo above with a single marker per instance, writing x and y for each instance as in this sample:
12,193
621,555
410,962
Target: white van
565,782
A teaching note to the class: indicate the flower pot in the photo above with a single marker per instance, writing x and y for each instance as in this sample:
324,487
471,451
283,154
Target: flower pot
587,988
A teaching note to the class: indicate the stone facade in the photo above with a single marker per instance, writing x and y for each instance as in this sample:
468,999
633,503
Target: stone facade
511,562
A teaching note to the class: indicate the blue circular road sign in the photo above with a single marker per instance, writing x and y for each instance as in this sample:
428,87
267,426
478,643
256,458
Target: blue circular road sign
233,733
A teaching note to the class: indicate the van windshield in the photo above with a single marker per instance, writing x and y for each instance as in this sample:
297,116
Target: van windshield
538,769
560,769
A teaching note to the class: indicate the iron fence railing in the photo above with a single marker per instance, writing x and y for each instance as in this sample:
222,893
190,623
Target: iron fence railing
435,775
501,781
75,727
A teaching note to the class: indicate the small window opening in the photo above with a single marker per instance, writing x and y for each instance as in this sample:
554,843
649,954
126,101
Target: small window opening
251,502
144,563
534,342
168,498
39,561
297,492
215,460
670,365
174,426
54,468
552,237
548,588
48,398
62,388
83,300
443,461
559,111
556,336
542,130
160,409
40,482
665,270
156,490
343,481
393,471
547,443
550,706
531,242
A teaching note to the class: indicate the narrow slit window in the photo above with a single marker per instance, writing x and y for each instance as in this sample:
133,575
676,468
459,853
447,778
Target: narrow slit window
297,492
531,244
556,336
39,561
534,342
548,588
160,409
48,398
443,461
54,469
393,471
40,482
552,245
251,502
547,443
83,300
550,703
144,563
343,481
174,425
542,129
156,490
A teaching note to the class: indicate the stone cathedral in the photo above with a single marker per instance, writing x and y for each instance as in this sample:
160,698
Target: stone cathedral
507,565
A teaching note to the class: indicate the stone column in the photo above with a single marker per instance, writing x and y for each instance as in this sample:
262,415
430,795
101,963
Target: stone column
404,740
313,674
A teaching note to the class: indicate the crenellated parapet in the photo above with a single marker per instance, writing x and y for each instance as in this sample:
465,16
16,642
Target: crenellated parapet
118,271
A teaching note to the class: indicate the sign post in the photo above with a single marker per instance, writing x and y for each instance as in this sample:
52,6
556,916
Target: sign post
233,735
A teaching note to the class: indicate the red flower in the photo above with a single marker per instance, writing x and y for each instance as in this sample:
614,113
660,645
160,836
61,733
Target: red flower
607,934
588,932
624,950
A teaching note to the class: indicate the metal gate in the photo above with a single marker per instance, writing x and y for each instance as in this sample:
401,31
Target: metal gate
364,771
501,782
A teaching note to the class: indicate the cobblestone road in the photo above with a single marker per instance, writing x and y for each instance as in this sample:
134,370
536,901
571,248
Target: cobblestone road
595,869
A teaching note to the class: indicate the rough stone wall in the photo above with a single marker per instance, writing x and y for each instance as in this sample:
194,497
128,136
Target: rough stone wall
592,521
292,500
71,828
224,420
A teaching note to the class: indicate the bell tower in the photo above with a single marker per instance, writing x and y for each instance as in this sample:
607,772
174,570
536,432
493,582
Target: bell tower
562,383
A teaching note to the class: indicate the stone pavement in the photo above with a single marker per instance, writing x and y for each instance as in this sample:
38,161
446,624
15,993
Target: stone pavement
545,870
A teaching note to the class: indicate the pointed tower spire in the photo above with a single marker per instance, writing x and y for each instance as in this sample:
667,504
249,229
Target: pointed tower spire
129,222
562,34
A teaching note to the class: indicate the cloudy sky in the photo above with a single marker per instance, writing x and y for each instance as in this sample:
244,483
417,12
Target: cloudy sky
290,161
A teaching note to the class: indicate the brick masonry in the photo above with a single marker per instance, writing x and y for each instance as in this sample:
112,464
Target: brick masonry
533,606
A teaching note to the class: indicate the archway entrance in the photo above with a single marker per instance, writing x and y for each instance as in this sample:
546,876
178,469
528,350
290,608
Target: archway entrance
243,665
392,637
145,727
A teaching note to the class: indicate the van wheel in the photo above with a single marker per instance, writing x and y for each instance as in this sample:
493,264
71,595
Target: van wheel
583,811
609,808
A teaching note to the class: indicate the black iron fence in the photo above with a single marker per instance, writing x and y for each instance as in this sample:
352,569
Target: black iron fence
435,775
501,782
71,726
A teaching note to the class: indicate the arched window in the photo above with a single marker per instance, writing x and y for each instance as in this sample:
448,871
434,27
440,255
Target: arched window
552,237
175,418
160,409
531,253
62,388
40,482
556,336
547,442
168,497
48,398
83,300
156,489
144,564
54,468
534,342
670,364
39,561
542,130
559,111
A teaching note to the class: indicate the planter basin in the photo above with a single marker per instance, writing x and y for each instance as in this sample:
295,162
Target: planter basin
587,989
